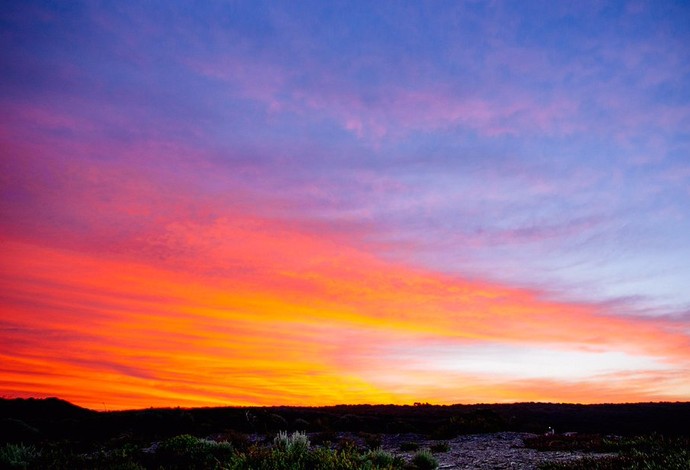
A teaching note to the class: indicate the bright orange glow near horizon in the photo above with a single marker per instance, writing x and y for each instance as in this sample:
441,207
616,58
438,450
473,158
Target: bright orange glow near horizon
112,332
241,203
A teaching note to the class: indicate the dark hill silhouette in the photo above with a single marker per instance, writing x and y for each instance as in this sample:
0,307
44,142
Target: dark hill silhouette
32,419
41,408
52,418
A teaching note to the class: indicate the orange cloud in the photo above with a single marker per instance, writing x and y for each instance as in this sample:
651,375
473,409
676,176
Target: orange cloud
128,292
251,311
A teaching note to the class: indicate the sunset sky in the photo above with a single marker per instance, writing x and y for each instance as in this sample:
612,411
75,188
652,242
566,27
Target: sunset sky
312,203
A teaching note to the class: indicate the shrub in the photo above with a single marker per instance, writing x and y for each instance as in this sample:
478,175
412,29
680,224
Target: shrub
634,453
347,444
18,456
282,440
371,441
409,446
400,426
296,443
325,438
349,422
380,458
114,459
238,440
278,458
326,459
424,460
276,422
187,451
440,447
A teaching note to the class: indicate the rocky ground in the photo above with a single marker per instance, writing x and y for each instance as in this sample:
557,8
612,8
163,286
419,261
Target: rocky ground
493,451
504,450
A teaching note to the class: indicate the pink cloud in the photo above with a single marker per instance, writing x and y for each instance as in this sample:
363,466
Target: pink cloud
395,110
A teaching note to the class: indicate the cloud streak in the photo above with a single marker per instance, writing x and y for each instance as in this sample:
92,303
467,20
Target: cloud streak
263,204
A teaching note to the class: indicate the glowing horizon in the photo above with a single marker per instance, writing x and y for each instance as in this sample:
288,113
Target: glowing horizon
256,204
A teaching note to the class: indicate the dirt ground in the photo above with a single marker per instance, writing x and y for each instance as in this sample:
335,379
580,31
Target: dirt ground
496,451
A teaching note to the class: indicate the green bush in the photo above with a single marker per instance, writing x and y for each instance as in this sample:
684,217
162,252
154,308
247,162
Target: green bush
424,460
295,443
289,452
191,452
124,458
237,440
347,444
18,456
380,458
293,452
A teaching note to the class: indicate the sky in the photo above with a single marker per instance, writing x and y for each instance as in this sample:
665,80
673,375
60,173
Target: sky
314,203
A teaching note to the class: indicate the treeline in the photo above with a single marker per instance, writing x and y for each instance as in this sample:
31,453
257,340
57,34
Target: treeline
32,420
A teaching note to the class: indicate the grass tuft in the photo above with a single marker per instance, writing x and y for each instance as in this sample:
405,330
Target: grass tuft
424,460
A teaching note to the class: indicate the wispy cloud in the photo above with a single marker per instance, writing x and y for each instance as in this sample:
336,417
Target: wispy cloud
256,203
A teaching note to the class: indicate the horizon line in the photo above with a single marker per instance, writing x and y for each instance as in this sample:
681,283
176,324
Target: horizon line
403,405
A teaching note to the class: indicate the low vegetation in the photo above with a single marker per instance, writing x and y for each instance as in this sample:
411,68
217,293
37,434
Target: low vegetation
409,446
54,434
18,456
440,447
653,452
286,452
424,460
294,451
